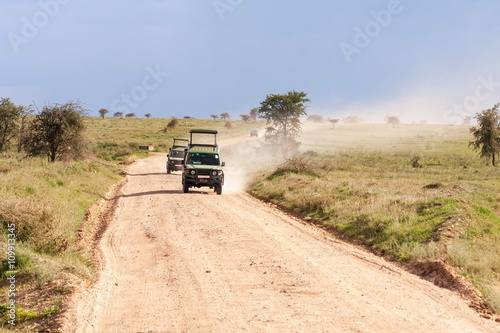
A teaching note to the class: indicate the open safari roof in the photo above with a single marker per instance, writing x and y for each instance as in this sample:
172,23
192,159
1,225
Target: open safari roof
203,133
180,144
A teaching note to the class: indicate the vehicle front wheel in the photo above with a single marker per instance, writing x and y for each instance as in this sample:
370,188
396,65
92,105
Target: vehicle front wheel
185,187
218,189
168,170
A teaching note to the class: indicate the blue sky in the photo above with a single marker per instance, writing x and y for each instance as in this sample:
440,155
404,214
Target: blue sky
420,60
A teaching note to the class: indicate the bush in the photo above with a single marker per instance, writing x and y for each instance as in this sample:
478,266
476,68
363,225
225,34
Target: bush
56,131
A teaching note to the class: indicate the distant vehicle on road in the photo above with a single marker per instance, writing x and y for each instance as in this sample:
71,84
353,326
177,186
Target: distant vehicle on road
176,155
254,132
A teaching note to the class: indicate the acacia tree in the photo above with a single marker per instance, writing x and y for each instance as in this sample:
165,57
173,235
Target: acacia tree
10,114
225,116
315,118
283,112
392,120
333,121
245,117
103,112
487,133
353,120
215,116
147,115
56,130
254,113
118,114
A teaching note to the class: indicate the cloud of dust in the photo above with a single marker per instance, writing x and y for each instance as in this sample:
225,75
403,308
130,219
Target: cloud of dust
244,160
414,107
365,137
436,105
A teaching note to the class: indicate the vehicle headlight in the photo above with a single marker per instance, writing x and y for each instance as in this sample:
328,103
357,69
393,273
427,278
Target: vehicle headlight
214,173
220,172
193,172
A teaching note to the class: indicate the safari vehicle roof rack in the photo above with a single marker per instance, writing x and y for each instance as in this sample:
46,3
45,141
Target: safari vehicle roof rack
202,131
207,131
200,148
180,142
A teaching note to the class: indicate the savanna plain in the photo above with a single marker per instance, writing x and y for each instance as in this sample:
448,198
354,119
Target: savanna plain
413,194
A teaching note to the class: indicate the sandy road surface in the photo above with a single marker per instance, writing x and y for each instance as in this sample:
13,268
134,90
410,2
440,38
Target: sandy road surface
200,262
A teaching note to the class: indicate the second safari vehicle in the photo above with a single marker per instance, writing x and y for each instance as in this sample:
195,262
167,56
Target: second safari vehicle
176,155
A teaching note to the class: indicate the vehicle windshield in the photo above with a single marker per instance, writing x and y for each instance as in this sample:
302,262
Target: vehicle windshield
203,159
177,154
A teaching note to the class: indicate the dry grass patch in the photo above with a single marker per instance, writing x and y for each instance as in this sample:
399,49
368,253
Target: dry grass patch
47,202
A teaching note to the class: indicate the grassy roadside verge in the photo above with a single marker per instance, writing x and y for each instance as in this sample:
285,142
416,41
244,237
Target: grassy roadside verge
47,204
437,202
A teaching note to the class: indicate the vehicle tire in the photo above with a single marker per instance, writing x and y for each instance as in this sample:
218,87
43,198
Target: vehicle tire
168,170
185,187
218,189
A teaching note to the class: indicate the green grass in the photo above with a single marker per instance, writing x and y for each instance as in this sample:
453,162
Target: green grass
360,182
23,315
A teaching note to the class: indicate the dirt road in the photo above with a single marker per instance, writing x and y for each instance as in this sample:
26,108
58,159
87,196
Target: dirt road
200,262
